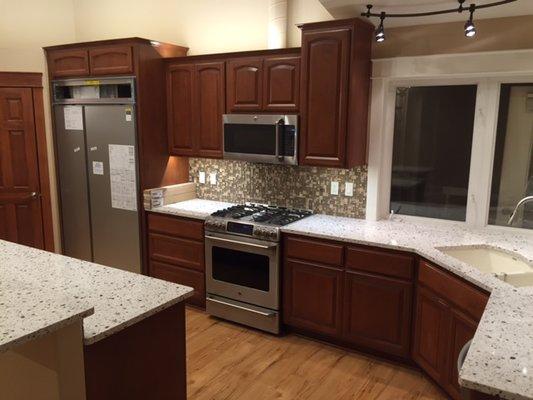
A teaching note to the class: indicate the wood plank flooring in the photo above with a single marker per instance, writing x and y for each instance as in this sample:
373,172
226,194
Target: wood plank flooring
228,362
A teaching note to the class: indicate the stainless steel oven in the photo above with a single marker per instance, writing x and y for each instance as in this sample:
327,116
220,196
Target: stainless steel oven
265,138
242,280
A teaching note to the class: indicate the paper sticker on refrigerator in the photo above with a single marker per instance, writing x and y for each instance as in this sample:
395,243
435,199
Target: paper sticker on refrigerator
122,177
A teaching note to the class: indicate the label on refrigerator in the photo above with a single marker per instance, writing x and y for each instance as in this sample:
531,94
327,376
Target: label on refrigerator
127,113
73,118
98,168
122,177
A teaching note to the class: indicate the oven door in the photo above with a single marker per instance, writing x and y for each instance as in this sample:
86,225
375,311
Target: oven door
242,269
261,138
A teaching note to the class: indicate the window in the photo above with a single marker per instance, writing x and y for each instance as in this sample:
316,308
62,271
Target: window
433,128
512,176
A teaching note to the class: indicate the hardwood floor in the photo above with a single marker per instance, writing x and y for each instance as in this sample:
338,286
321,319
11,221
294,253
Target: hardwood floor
227,361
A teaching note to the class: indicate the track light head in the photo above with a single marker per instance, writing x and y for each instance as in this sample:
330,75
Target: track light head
380,31
470,28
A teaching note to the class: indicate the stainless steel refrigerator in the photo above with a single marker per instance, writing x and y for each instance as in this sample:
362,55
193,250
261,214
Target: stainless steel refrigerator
96,148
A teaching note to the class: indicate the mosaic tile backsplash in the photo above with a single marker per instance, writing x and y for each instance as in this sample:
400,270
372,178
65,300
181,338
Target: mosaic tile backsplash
289,186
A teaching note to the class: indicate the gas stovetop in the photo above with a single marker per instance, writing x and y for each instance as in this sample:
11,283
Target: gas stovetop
257,220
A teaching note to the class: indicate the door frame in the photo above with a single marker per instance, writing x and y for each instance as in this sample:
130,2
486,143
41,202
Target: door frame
34,81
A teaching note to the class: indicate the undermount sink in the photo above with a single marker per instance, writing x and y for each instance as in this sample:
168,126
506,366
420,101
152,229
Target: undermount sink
509,267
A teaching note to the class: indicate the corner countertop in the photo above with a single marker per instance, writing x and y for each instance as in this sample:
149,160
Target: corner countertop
500,360
42,291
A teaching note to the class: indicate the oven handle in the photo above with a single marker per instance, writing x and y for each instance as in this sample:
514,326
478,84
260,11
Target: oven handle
264,314
261,246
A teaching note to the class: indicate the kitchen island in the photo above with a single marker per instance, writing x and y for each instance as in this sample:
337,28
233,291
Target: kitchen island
131,327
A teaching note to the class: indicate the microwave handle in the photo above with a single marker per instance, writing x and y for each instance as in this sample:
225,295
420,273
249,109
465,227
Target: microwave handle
280,143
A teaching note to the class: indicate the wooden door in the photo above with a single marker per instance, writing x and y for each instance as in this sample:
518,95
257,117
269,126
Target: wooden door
180,109
324,94
20,204
377,312
70,62
313,297
210,106
432,334
109,60
463,329
281,84
245,84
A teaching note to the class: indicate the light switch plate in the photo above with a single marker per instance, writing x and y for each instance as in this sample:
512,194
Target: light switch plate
213,178
348,189
334,188
201,177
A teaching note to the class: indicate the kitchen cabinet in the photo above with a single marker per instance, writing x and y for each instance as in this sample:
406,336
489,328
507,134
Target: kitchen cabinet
356,295
448,311
313,297
111,60
335,84
195,104
176,253
268,83
68,63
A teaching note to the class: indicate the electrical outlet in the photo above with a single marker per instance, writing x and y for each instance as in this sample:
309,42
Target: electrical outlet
348,189
213,178
201,177
334,188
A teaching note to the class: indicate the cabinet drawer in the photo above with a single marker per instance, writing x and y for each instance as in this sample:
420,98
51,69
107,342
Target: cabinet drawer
176,226
380,262
313,250
183,276
177,251
109,60
470,300
71,62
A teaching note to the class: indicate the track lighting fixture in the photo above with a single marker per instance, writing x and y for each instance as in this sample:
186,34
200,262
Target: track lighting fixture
380,31
470,28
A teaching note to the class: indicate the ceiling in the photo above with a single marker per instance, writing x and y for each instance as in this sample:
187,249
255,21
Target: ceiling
352,8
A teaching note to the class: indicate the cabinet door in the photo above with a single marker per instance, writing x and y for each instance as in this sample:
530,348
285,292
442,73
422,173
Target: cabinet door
377,312
281,84
183,276
313,297
180,109
324,93
432,334
210,92
108,60
245,84
62,63
463,329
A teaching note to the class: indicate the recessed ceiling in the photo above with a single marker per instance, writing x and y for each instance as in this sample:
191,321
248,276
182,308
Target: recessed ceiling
352,8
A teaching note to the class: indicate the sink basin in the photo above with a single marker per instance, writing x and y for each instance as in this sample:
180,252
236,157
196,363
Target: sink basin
509,267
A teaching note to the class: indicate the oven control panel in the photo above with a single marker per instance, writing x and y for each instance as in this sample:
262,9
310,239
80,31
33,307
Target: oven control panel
241,229
258,231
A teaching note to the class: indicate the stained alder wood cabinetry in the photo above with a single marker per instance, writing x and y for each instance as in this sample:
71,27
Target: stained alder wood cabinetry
335,85
176,253
448,311
195,104
263,84
355,295
101,60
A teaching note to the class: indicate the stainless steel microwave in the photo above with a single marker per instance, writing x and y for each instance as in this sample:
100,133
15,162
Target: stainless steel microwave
264,138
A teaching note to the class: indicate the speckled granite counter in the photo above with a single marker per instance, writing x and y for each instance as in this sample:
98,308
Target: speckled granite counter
197,208
500,360
41,291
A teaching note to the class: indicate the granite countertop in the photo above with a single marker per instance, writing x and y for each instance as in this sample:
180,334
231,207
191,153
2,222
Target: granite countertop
41,291
500,360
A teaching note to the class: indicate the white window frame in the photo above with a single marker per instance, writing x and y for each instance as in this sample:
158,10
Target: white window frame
487,70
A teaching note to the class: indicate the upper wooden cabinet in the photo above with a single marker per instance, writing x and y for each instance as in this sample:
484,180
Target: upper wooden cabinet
195,104
265,83
335,85
111,60
245,84
70,62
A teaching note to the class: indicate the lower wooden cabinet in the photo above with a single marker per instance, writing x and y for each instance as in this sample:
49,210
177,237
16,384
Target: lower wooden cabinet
377,312
176,253
313,297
